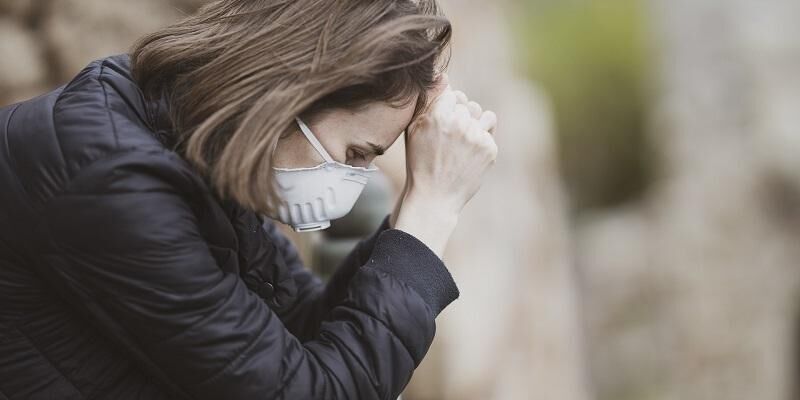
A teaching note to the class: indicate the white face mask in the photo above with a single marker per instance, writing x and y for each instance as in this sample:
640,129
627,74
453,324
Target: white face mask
314,196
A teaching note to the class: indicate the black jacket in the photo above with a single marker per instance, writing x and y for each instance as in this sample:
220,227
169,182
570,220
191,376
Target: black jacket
123,276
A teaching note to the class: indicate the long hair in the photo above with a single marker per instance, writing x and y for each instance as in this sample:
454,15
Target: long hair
236,73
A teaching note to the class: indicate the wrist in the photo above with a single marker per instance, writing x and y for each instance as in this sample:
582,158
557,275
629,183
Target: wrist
428,221
430,209
439,206
398,204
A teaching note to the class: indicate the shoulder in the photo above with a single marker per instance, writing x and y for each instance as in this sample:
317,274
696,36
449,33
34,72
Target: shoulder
144,170
98,117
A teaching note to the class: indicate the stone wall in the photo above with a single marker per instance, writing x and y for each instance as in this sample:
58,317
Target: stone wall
515,332
46,42
693,294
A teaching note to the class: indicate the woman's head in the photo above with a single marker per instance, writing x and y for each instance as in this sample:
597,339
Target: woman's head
235,75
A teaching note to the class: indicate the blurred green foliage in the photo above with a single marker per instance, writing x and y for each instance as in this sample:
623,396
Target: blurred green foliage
591,57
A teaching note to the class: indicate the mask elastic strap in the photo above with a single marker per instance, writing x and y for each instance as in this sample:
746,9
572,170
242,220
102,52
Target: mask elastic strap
313,140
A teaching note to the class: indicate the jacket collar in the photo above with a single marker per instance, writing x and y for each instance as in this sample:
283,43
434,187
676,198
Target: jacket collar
154,113
160,122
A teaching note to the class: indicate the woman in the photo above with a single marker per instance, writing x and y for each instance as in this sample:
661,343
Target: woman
135,257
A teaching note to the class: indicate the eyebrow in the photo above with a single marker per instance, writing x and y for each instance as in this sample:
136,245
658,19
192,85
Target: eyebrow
377,149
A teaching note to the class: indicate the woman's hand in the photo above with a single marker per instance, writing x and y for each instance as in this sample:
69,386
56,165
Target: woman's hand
448,149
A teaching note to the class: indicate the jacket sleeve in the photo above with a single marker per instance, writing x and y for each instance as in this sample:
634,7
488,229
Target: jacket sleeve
315,298
124,245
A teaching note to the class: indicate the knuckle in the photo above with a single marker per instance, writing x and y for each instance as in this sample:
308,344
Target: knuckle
474,134
489,144
463,123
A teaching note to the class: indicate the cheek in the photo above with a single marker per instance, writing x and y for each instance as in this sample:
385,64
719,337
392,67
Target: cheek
295,152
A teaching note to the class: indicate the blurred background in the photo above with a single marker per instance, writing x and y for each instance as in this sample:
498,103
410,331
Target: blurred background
639,236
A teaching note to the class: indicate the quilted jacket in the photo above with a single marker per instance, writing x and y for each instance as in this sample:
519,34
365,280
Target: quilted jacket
122,274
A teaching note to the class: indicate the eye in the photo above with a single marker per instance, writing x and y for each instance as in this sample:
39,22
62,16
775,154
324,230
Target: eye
356,157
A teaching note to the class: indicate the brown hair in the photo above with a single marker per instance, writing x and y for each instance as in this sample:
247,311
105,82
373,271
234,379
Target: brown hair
235,74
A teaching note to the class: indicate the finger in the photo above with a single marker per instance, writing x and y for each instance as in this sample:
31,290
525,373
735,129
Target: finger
475,131
461,97
462,117
488,121
461,111
486,139
445,103
442,81
493,151
474,110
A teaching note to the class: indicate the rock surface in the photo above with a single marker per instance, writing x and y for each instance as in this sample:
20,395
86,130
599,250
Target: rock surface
693,294
51,40
22,70
515,331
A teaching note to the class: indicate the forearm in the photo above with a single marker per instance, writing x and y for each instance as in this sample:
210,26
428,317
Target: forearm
429,221
397,206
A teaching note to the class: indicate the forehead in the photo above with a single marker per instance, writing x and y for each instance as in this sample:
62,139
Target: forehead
379,122
388,113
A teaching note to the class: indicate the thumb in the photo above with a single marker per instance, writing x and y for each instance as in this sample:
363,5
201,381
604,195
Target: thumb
441,84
